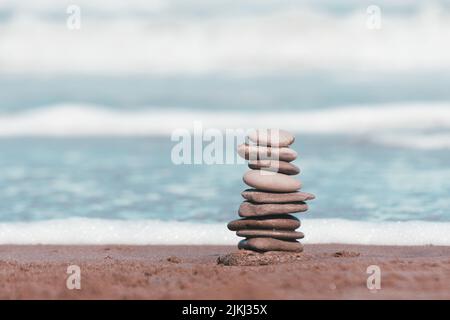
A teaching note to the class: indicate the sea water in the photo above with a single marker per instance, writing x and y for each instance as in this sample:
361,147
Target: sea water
124,188
85,146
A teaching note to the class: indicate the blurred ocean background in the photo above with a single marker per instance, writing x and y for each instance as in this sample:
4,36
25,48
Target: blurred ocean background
86,117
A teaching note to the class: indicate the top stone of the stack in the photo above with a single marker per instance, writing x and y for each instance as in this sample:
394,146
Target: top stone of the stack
271,137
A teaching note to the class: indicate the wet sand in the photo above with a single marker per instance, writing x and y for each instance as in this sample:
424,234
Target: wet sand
191,272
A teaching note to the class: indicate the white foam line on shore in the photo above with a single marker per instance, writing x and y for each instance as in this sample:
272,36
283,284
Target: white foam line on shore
377,233
102,231
85,231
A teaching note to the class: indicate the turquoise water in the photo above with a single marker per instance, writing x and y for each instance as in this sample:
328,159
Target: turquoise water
305,91
134,178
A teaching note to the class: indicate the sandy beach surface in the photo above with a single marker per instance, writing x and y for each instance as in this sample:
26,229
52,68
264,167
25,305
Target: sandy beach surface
191,272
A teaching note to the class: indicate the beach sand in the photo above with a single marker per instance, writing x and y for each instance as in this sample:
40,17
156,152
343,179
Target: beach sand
191,272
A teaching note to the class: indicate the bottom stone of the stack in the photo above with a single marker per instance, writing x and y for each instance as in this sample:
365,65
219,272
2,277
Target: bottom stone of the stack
270,244
252,258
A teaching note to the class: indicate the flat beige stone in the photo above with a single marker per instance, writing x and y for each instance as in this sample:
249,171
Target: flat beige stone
249,209
276,234
275,166
271,181
269,244
278,222
271,137
252,152
254,195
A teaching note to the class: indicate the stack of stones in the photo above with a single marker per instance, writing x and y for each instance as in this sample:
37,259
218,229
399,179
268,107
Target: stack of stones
267,223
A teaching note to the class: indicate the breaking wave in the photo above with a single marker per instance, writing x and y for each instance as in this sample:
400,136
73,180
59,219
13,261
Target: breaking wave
166,38
396,125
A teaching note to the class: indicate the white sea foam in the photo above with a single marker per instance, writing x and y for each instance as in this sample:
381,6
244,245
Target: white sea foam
398,125
160,37
98,231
